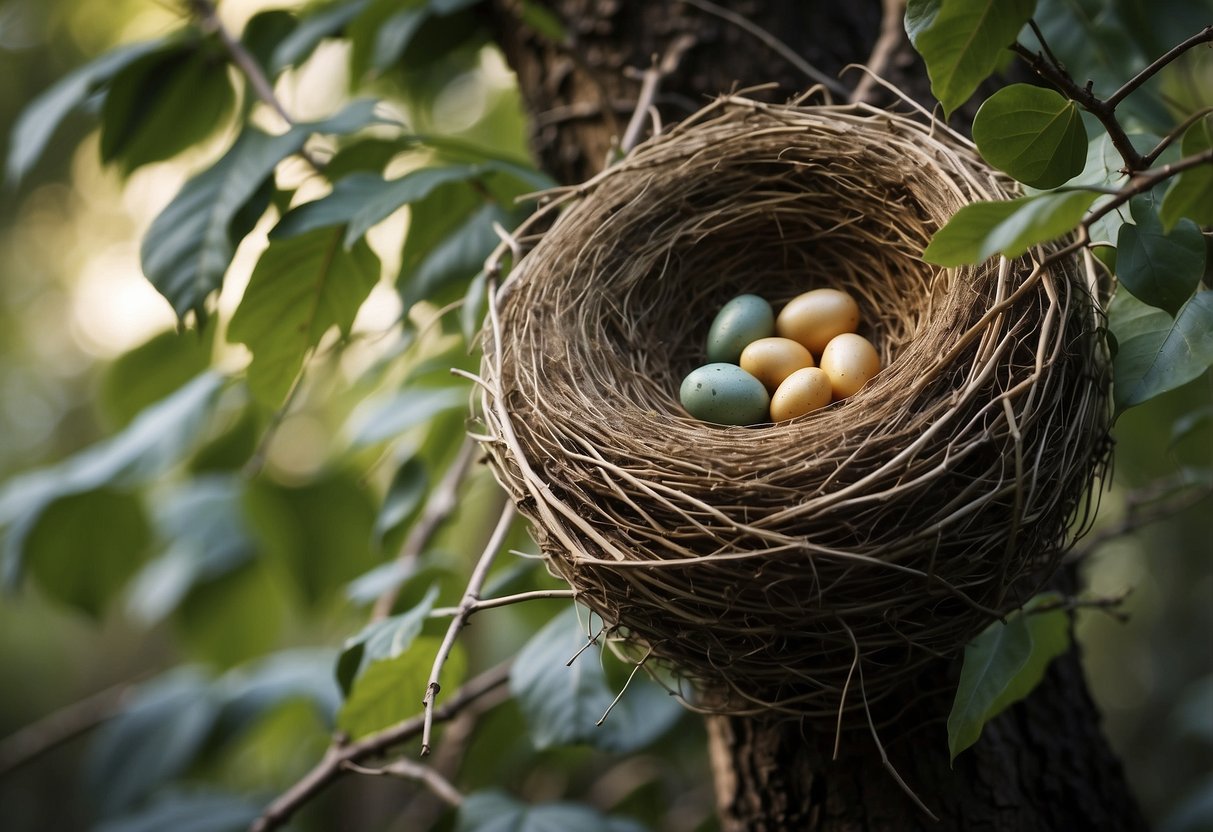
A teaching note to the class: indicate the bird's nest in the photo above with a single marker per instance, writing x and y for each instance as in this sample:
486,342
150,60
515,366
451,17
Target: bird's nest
812,565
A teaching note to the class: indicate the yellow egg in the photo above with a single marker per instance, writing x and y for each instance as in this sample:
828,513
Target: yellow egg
849,360
771,360
815,317
802,392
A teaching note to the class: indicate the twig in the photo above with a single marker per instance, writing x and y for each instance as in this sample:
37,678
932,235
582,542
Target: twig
56,728
1179,130
1145,181
332,766
470,596
1044,44
438,506
1203,36
771,42
624,690
418,773
503,601
892,32
649,82
1143,507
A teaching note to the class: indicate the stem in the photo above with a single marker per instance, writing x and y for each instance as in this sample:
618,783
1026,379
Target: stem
332,765
503,601
1044,45
1145,181
1166,140
470,596
1203,36
408,770
60,726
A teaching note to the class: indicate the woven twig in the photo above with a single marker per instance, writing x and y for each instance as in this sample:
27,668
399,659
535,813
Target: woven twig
765,564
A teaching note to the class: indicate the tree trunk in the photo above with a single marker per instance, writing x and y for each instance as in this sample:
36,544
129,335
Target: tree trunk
1044,764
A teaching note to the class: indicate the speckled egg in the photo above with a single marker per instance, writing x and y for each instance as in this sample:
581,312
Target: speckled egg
771,360
815,317
802,392
744,319
849,360
724,394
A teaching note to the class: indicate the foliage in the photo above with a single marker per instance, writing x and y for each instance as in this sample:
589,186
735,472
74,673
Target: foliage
290,461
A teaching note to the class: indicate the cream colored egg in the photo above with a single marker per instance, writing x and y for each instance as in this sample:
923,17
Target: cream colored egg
815,317
849,360
802,392
771,360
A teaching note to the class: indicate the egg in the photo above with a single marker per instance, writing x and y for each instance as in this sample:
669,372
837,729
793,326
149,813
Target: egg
815,317
802,392
771,360
744,319
849,360
724,394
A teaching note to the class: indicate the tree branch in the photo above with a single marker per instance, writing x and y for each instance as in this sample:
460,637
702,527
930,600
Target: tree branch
1203,36
470,596
62,725
1166,141
503,601
1145,181
892,31
333,764
409,770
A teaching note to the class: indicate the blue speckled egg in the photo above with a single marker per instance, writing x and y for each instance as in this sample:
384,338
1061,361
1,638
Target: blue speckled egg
744,319
725,394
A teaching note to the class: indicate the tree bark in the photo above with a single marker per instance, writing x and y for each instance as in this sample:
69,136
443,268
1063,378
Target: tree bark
1044,764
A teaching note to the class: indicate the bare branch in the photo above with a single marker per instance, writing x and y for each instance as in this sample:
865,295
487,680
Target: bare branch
650,80
1203,36
892,33
470,596
1145,181
332,765
1166,141
503,601
438,506
62,725
1157,501
418,773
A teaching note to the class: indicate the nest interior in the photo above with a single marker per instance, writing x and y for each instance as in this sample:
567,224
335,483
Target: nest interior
774,567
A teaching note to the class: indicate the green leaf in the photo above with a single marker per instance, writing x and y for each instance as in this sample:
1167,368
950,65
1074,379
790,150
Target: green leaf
1003,665
153,741
1011,227
325,22
207,537
301,287
165,102
475,302
249,692
264,35
1161,269
1033,134
149,372
188,812
381,32
316,535
387,418
39,121
396,193
1156,352
82,548
964,42
233,618
563,704
492,811
338,207
410,485
1191,193
920,15
455,260
390,691
190,244
382,641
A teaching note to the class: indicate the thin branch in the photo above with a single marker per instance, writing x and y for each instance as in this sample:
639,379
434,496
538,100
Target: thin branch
1143,182
1044,44
438,506
416,772
470,596
503,601
771,42
1203,36
649,81
60,726
332,765
892,33
1157,501
1151,157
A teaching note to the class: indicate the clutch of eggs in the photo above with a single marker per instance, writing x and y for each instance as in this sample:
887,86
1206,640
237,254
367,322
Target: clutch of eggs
762,368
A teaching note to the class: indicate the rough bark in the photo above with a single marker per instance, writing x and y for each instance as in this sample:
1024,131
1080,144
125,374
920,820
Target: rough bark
1043,765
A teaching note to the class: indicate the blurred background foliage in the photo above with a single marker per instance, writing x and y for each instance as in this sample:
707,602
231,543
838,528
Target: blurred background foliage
224,598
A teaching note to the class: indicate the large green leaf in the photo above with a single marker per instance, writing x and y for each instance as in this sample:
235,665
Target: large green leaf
82,548
203,526
1033,134
1191,194
452,263
965,41
1010,227
920,14
234,617
492,811
324,22
149,372
390,691
1003,665
190,244
165,102
301,287
563,703
1155,352
382,640
187,812
154,739
348,196
38,122
382,32
1161,269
